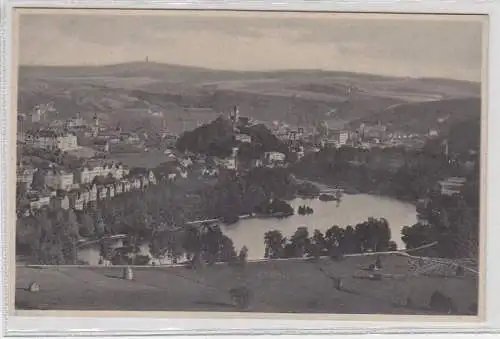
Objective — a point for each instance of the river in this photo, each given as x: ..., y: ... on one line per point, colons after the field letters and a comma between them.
x: 351, y: 210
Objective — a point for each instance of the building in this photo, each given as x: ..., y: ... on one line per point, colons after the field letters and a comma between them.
x: 339, y: 138
x: 25, y: 175
x: 51, y: 140
x: 451, y: 186
x: 37, y: 200
x: 146, y: 177
x: 433, y: 133
x: 126, y: 185
x: 61, y: 201
x: 102, y: 192
x: 135, y: 183
x: 58, y: 179
x: 118, y: 187
x: 93, y: 169
x: 244, y: 138
x: 102, y: 145
x: 228, y: 163
x: 129, y: 138
x: 295, y: 135
x: 76, y: 122
x: 111, y: 191
x: 378, y: 131
x: 274, y: 159
x: 209, y: 172
x: 79, y: 198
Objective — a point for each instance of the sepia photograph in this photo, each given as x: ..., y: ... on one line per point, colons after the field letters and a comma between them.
x: 239, y: 161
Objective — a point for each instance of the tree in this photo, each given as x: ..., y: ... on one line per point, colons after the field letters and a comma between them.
x: 242, y: 256
x: 333, y: 237
x: 350, y: 242
x: 241, y: 296
x: 274, y: 241
x: 87, y: 227
x: 227, y: 252
x: 300, y: 241
x: 191, y: 241
x: 393, y: 246
x: 166, y: 244
x: 71, y: 233
x: 51, y: 245
x: 28, y: 237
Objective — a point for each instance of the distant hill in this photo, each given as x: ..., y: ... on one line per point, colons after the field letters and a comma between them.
x: 419, y: 117
x: 188, y: 95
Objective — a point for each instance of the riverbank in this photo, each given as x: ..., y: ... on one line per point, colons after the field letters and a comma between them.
x: 309, y: 288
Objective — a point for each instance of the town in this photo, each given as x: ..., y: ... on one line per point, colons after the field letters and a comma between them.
x: 90, y: 175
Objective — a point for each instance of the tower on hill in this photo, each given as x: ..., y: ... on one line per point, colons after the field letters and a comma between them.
x: 95, y: 127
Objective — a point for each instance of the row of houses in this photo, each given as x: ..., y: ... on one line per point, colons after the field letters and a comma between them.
x: 62, y: 179
x: 79, y: 198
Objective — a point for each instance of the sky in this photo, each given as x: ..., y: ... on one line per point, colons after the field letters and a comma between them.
x: 448, y: 47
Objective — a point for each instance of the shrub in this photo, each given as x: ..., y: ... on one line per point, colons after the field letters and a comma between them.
x: 240, y: 296
x: 442, y: 303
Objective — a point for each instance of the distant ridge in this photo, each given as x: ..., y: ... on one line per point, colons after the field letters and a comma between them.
x: 135, y: 66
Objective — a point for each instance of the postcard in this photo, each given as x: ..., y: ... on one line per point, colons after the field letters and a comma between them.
x: 249, y: 162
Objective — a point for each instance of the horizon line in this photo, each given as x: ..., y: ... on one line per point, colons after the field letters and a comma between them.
x: 276, y: 70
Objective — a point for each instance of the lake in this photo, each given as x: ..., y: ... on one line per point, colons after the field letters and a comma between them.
x: 352, y: 210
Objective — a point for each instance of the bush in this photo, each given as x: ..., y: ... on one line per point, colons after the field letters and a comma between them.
x: 240, y: 296
x: 441, y: 303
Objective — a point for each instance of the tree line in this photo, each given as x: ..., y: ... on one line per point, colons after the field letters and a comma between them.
x: 372, y: 235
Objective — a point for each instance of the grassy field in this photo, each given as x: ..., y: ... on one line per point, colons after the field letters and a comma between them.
x: 276, y: 286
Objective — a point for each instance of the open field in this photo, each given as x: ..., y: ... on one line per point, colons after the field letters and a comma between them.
x: 309, y: 288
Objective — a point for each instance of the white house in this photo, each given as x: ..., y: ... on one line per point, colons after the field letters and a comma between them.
x: 452, y: 185
x: 243, y: 138
x: 87, y: 173
x: 39, y: 200
x: 51, y: 140
x: 273, y: 159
